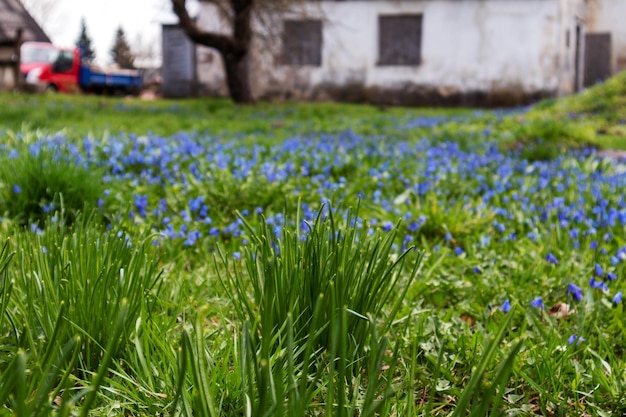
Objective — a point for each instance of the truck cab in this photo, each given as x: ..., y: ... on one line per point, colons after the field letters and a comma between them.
x: 46, y: 67
x: 63, y: 73
x: 35, y: 58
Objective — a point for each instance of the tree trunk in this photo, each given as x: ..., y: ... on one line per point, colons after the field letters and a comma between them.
x: 233, y: 49
x: 237, y: 77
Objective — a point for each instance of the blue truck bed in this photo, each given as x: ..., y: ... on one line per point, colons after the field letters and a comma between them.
x: 112, y: 80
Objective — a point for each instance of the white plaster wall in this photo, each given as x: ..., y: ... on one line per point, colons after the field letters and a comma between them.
x: 610, y: 16
x: 572, y: 13
x: 467, y: 46
x: 211, y: 76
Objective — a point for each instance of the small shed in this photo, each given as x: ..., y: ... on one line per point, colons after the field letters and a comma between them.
x: 179, y: 63
x: 16, y: 26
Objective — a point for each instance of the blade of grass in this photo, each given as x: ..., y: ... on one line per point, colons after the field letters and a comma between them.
x: 473, y: 386
x: 92, y: 391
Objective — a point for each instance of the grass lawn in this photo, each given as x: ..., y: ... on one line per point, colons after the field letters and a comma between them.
x: 196, y: 258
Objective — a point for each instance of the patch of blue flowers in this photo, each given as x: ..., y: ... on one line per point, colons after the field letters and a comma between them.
x: 187, y: 188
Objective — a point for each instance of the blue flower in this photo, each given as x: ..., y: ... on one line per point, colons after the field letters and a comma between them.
x: 617, y: 298
x: 196, y: 203
x: 47, y: 208
x: 406, y: 241
x: 611, y: 276
x: 141, y: 204
x: 551, y: 259
x: 413, y: 226
x: 598, y: 270
x: 458, y: 251
x: 575, y: 291
x: 506, y: 306
x: 387, y: 226
x: 192, y: 238
x: 598, y: 284
x: 537, y: 302
x: 17, y: 189
x: 237, y: 255
x: 572, y: 339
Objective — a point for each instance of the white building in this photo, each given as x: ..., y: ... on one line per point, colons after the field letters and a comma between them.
x: 469, y: 52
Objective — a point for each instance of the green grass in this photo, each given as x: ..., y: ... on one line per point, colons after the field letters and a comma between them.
x: 83, y: 115
x: 599, y: 111
x: 338, y: 315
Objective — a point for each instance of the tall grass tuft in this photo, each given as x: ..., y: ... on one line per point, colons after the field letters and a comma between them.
x: 40, y: 178
x: 76, y: 293
x: 72, y: 281
x: 313, y: 305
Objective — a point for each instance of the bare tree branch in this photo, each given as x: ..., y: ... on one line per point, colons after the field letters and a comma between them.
x: 242, y: 29
x: 223, y: 43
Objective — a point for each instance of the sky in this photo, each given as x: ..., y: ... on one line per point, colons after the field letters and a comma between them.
x: 140, y: 19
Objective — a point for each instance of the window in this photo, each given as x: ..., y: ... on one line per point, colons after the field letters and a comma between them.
x: 64, y: 62
x: 302, y: 43
x: 33, y: 53
x: 400, y: 40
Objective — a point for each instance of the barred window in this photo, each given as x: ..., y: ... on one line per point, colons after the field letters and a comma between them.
x: 400, y: 40
x: 302, y: 43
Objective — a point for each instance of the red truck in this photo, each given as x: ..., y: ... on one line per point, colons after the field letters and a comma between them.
x: 45, y: 66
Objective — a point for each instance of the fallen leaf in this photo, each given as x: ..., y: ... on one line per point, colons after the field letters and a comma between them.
x: 560, y: 310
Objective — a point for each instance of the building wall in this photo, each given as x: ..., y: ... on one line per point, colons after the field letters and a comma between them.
x: 571, y: 56
x: 7, y: 78
x: 473, y: 52
x: 610, y: 16
x: 210, y: 75
x: 9, y: 65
